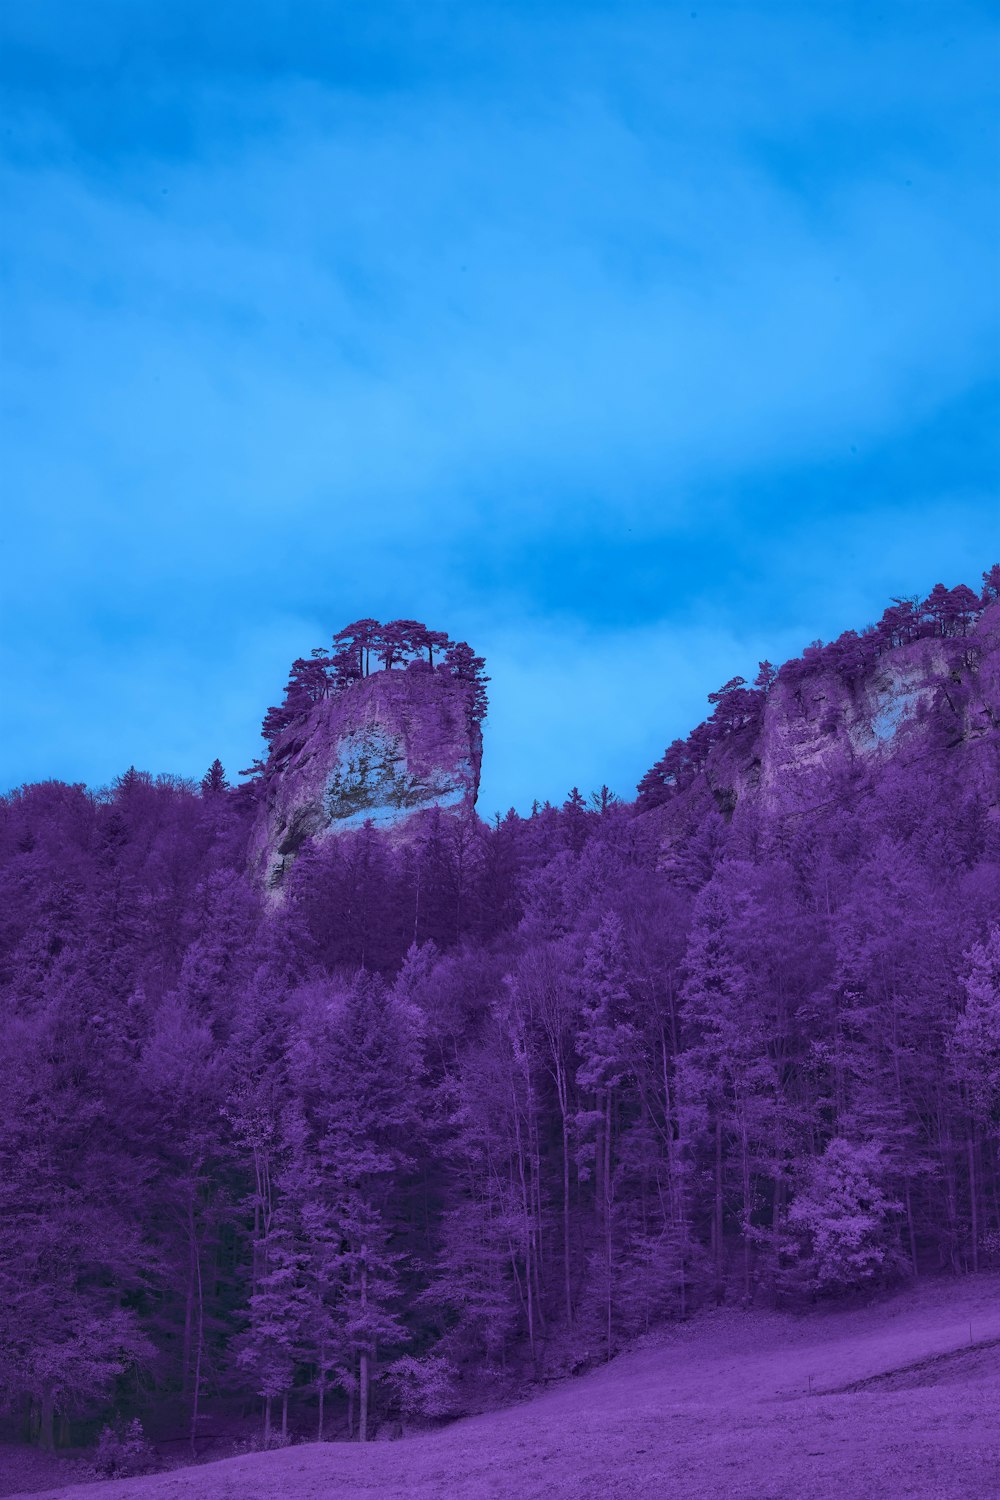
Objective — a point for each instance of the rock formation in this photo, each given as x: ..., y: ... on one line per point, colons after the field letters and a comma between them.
x: 386, y: 749
x: 822, y: 735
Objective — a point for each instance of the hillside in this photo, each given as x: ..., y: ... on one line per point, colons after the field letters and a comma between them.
x: 476, y: 1105
x: 896, y: 1400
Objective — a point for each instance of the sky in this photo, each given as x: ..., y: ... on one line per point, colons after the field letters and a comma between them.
x: 631, y: 342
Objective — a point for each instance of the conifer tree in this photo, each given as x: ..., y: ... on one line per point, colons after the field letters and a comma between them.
x: 214, y: 779
x: 606, y: 1044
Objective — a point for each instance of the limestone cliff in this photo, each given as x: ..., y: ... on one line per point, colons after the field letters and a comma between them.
x: 389, y: 747
x: 931, y: 695
x: 822, y: 735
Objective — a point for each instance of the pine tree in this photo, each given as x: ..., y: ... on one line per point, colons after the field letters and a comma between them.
x: 214, y: 779
x: 268, y: 1349
x: 606, y: 1041
x: 357, y: 1071
x: 725, y: 1074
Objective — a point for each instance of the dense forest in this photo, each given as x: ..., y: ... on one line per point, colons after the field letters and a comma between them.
x: 480, y: 1104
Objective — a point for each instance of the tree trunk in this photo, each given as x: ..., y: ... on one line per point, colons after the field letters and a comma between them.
x: 363, y: 1399
x: 364, y: 1376
x: 565, y: 1216
x: 188, y: 1326
x: 607, y: 1211
x: 717, y: 1212
x: 267, y: 1421
x: 46, y: 1431
x: 745, y: 1175
x: 200, y: 1336
x: 536, y: 1215
x: 284, y: 1417
x: 676, y: 1211
x: 974, y: 1200
x: 527, y: 1231
x: 602, y: 1125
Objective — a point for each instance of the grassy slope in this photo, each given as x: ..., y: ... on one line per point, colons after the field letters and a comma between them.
x: 721, y: 1406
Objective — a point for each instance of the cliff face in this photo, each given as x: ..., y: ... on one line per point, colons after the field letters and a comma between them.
x: 932, y: 695
x: 389, y: 747
x: 936, y: 701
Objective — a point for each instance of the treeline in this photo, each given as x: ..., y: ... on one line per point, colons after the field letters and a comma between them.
x: 480, y: 1106
x: 366, y: 646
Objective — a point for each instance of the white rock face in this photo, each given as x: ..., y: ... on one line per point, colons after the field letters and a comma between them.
x: 386, y: 749
x: 935, y: 701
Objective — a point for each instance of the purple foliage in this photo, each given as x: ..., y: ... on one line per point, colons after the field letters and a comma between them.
x: 491, y: 1099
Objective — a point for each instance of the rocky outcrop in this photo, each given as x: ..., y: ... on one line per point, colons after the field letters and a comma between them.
x: 932, y: 694
x: 936, y: 700
x: 384, y: 750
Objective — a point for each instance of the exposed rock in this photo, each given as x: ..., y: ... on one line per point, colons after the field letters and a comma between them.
x: 384, y: 750
x: 932, y: 700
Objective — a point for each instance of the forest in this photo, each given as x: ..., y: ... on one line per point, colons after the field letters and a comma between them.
x: 478, y: 1106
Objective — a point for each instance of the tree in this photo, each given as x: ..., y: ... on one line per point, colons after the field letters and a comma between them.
x: 464, y: 664
x: 975, y: 1055
x: 357, y: 1070
x: 950, y: 610
x: 130, y: 783
x: 298, y: 1150
x: 766, y: 677
x: 577, y: 819
x: 268, y: 1349
x: 606, y: 1042
x: 182, y: 1076
x: 402, y: 638
x: 725, y: 1073
x: 728, y: 687
x: 662, y: 779
x: 355, y: 644
x: 434, y: 640
x: 395, y: 640
x: 849, y: 655
x: 845, y: 1216
x: 214, y: 780
x: 963, y: 605
x: 976, y: 1036
x: 70, y: 1252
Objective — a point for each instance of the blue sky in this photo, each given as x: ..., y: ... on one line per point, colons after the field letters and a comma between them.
x: 630, y: 342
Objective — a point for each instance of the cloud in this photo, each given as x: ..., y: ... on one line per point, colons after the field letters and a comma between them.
x: 567, y: 317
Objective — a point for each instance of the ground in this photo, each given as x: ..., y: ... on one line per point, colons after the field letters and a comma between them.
x: 899, y: 1399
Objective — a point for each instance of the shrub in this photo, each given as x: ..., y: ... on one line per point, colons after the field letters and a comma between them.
x: 844, y: 1216
x: 423, y: 1387
x: 123, y: 1450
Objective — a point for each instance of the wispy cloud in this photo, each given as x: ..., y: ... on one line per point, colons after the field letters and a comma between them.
x: 482, y: 316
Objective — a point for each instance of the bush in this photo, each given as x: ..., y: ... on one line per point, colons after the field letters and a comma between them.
x: 124, y: 1450
x: 423, y: 1387
x: 255, y: 1442
x: 844, y: 1215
